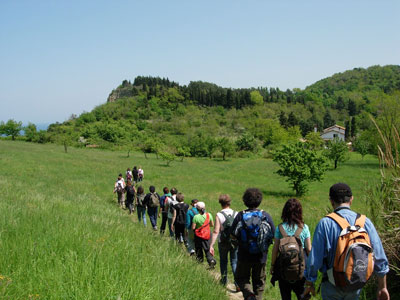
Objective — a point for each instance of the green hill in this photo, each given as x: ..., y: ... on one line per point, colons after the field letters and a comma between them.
x: 202, y: 119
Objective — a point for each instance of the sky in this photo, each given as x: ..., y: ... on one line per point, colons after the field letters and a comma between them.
x: 59, y: 58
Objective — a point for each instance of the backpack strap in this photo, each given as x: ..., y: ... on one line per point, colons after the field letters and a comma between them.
x: 205, y: 222
x: 299, y: 230
x: 342, y: 222
x: 360, y: 220
x: 282, y: 230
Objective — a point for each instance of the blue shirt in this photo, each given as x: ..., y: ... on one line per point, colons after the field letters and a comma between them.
x: 189, y: 217
x: 290, y: 231
x: 325, y: 241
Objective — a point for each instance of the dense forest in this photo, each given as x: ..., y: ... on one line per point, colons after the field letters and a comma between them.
x: 203, y: 119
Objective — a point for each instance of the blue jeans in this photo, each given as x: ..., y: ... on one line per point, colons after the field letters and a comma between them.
x: 141, y: 212
x: 152, y: 212
x: 171, y: 233
x: 223, y: 260
x: 330, y: 292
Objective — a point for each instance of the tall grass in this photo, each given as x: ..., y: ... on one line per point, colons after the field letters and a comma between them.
x: 384, y: 203
x: 63, y: 237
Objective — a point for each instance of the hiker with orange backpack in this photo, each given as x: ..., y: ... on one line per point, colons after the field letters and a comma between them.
x: 201, y: 226
x: 346, y: 249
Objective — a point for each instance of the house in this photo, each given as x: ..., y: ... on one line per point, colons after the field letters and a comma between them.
x: 332, y: 132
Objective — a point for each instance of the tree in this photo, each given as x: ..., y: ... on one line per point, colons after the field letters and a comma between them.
x: 314, y: 140
x: 362, y: 146
x: 226, y: 146
x: 352, y: 108
x: 283, y: 120
x: 167, y: 157
x: 337, y: 151
x: 256, y: 98
x: 347, y: 131
x: 183, y: 151
x: 292, y: 119
x: 328, y: 121
x: 353, y: 127
x: 12, y: 128
x: 211, y: 145
x: 30, y: 132
x: 300, y: 165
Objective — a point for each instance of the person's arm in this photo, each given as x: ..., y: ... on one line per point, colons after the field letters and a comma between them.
x: 173, y: 221
x: 193, y: 225
x: 307, y: 244
x: 274, y: 254
x: 382, y: 293
x: 216, y: 231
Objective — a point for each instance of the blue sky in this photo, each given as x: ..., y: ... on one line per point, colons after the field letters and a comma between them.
x: 63, y: 57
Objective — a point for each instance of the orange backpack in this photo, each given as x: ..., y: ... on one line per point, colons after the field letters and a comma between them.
x: 354, y: 257
x: 204, y: 231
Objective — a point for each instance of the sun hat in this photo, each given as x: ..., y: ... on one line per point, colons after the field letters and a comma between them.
x: 200, y: 205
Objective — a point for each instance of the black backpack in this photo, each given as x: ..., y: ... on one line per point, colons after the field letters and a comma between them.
x: 130, y: 191
x: 181, y: 210
x: 225, y: 236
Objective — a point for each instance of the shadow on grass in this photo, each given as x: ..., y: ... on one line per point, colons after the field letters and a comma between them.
x: 278, y: 193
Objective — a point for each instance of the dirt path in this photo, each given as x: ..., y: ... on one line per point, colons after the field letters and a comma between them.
x: 230, y: 287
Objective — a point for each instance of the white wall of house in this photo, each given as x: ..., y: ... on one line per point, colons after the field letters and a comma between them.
x: 330, y: 135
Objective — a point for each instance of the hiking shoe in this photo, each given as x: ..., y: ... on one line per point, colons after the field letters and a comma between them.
x: 212, y: 263
x: 155, y: 228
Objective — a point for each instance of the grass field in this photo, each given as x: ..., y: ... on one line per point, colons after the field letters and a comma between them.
x: 62, y: 235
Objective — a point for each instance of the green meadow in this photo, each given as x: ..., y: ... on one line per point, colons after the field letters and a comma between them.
x: 62, y: 236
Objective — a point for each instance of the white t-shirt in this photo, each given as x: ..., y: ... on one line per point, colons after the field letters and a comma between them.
x: 171, y: 202
x: 121, y: 182
x: 227, y: 211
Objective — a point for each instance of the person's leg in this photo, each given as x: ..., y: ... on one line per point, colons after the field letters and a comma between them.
x: 298, y: 287
x: 144, y: 216
x: 171, y: 233
x: 223, y: 262
x: 198, y: 248
x: 139, y: 213
x: 164, y: 218
x: 242, y: 278
x: 210, y: 259
x: 258, y: 279
x: 233, y: 252
x: 330, y: 292
x: 190, y: 240
x: 285, y: 289
x: 151, y: 211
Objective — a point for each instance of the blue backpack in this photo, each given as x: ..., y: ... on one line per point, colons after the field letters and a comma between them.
x: 254, y: 232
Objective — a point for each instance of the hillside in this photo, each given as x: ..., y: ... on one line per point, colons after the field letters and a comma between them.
x: 202, y: 119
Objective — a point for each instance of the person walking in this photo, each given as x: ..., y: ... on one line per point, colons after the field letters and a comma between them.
x: 152, y: 201
x: 140, y: 174
x: 324, y: 255
x: 119, y: 188
x: 253, y: 230
x: 201, y: 226
x: 179, y: 218
x: 170, y: 207
x: 140, y: 205
x: 293, y: 226
x: 135, y: 175
x: 222, y: 229
x: 164, y: 209
x: 189, y: 231
x: 130, y: 196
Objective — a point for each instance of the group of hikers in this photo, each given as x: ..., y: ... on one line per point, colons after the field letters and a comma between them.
x: 345, y: 248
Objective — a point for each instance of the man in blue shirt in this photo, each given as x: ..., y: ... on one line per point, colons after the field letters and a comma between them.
x: 324, y: 248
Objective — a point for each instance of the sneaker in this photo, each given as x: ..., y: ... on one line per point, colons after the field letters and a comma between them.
x: 212, y: 263
x: 155, y: 228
